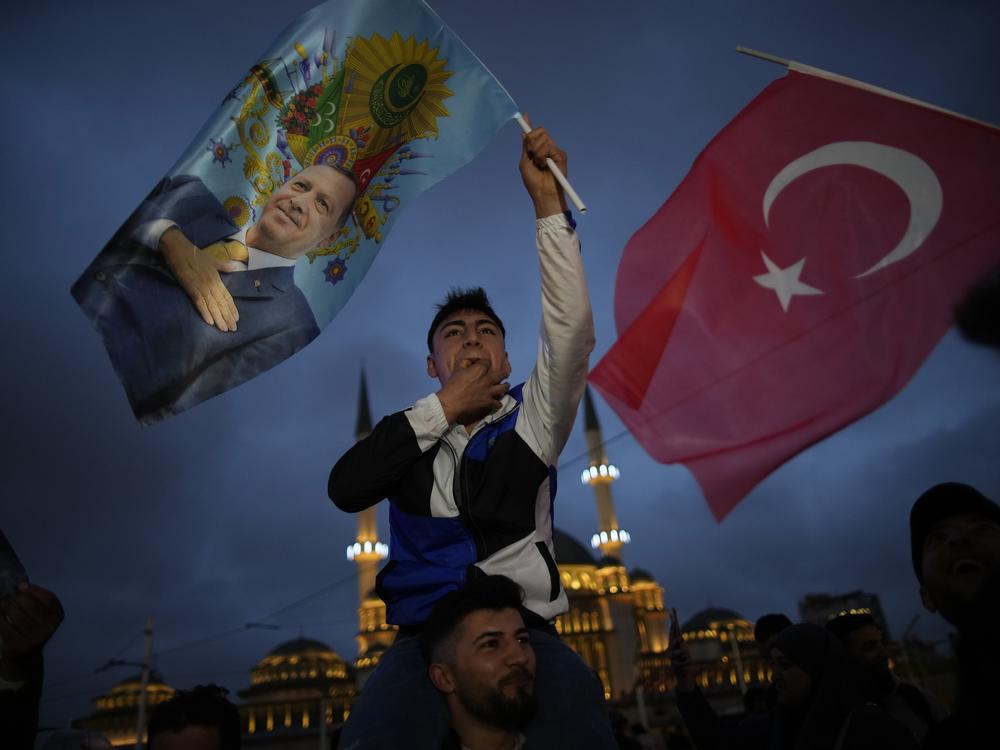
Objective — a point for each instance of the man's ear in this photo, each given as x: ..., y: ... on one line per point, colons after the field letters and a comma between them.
x: 925, y: 597
x: 441, y: 677
x: 431, y: 367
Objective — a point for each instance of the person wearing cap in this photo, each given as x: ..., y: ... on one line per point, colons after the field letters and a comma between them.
x: 955, y: 546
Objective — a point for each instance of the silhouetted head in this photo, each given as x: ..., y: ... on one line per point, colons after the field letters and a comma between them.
x: 197, y: 719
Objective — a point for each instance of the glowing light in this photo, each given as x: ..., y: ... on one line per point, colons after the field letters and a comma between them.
x: 377, y: 549
x: 619, y: 536
x: 600, y: 473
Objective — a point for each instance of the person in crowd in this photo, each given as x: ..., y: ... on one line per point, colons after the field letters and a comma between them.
x: 198, y: 719
x: 955, y: 546
x: 821, y: 698
x: 480, y: 659
x: 862, y: 640
x: 766, y: 629
x: 29, y: 616
x: 469, y: 472
x: 821, y: 703
x: 702, y: 723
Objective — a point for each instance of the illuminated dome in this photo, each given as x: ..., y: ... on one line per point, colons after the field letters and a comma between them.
x: 125, y: 694
x: 711, y: 618
x: 301, y: 662
x: 569, y: 551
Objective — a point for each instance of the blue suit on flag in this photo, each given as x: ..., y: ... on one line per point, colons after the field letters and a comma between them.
x: 166, y: 356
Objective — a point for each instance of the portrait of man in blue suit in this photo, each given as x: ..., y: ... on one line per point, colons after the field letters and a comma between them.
x: 190, y: 306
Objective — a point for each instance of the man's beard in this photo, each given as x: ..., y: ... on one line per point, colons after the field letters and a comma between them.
x: 490, y: 706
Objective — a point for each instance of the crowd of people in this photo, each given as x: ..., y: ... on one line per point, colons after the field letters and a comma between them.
x: 834, y: 687
x: 473, y: 586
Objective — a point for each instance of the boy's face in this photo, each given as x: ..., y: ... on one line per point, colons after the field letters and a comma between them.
x: 463, y: 338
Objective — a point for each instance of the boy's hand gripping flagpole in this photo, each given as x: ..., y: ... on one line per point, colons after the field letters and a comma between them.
x: 556, y: 172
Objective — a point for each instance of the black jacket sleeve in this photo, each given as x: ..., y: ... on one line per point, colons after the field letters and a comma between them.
x: 372, y: 469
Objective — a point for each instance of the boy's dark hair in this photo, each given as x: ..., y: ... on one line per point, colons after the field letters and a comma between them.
x: 846, y: 623
x: 768, y: 626
x: 486, y: 592
x: 202, y: 706
x: 473, y: 298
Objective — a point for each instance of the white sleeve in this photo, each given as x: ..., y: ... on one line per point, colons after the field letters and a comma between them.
x: 555, y: 386
x: 427, y: 419
x: 148, y: 233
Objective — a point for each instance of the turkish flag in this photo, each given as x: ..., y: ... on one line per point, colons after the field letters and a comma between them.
x: 805, y: 267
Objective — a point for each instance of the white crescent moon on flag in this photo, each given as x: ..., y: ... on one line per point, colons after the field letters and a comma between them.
x: 911, y: 173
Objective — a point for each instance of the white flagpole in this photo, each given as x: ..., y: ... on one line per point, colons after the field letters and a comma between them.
x: 819, y: 73
x: 556, y: 172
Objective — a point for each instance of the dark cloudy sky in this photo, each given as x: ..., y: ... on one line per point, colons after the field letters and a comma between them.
x: 219, y: 517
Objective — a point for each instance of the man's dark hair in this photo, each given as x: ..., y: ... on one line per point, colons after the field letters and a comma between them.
x: 768, y: 626
x: 487, y: 592
x: 846, y: 623
x: 473, y: 298
x: 202, y: 706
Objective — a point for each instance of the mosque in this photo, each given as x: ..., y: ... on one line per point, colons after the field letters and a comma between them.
x: 618, y: 623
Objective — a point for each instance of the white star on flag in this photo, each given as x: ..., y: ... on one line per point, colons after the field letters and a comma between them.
x: 784, y: 281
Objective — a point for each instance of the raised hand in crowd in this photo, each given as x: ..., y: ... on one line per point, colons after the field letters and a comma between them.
x: 28, y: 618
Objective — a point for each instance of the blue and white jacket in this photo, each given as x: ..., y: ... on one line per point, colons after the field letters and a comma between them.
x: 461, y: 503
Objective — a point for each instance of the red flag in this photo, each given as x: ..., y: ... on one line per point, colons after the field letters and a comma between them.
x: 797, y: 278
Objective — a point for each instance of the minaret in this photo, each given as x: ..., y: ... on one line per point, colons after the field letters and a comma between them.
x: 367, y: 550
x: 374, y: 634
x: 599, y: 475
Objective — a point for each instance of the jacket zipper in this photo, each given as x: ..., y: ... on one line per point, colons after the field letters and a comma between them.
x: 465, y: 508
x: 464, y: 511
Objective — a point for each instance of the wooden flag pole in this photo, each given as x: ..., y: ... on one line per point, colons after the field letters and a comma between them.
x: 820, y: 73
x: 556, y: 172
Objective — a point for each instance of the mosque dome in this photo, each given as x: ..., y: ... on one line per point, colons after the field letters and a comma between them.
x: 300, y: 662
x: 640, y: 575
x: 569, y: 551
x: 710, y: 618
x: 125, y: 694
x: 609, y: 561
